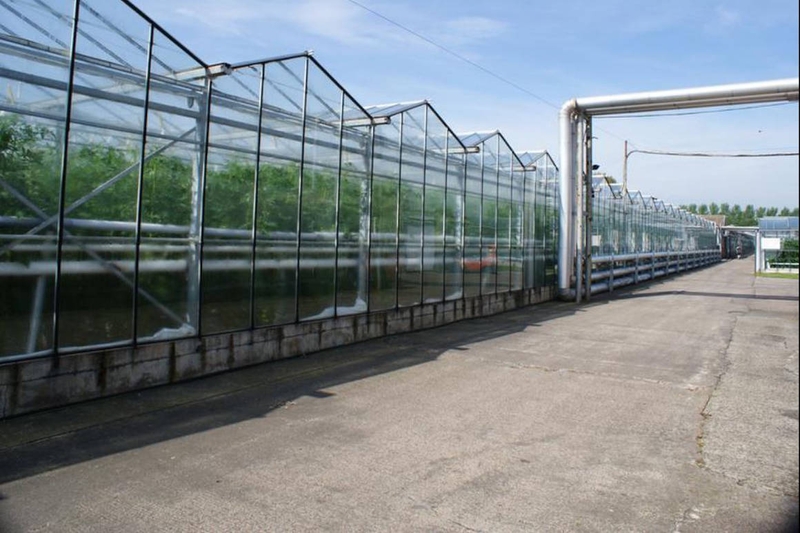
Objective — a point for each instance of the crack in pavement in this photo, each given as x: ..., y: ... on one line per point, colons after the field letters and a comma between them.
x: 704, y: 412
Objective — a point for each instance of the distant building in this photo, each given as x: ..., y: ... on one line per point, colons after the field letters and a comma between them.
x: 777, y: 244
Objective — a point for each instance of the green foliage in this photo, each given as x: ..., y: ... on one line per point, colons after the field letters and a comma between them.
x: 30, y: 163
x: 736, y: 216
x: 789, y: 253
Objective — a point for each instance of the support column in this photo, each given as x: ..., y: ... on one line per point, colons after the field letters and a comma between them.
x: 566, y: 223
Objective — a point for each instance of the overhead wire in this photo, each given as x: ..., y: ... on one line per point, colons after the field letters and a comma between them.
x: 715, y: 154
x: 475, y: 64
x: 455, y: 54
x: 517, y: 86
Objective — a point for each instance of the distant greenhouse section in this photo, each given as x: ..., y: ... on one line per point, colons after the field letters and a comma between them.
x: 628, y: 222
x: 635, y: 237
x: 147, y: 196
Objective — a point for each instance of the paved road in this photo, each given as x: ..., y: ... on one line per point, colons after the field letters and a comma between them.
x: 671, y: 407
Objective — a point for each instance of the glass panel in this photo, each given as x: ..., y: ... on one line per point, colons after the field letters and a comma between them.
x: 168, y: 251
x: 320, y: 190
x: 472, y: 263
x: 517, y: 229
x: 489, y: 217
x: 279, y: 173
x: 433, y: 226
x: 97, y: 269
x: 383, y: 251
x: 504, y: 219
x: 354, y: 217
x: 31, y: 141
x: 411, y: 217
x: 550, y: 226
x: 227, y: 245
x: 453, y: 258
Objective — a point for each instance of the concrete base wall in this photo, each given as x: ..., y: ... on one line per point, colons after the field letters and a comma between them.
x: 37, y: 384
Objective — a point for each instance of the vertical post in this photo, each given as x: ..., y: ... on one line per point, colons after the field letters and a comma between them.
x: 759, y: 253
x: 566, y: 251
x: 444, y: 216
x: 625, y: 169
x: 365, y: 225
x: 140, y: 188
x: 480, y: 226
x: 496, y: 265
x: 589, y: 205
x: 424, y: 203
x: 301, y: 174
x: 197, y: 225
x: 462, y: 206
x: 524, y: 231
x: 512, y: 222
x: 397, y: 212
x: 338, y: 200
x: 62, y: 191
x: 578, y: 237
x: 256, y: 188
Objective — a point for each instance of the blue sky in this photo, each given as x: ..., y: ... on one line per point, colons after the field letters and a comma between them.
x: 555, y: 51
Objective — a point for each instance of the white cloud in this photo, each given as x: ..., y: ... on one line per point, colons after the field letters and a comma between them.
x: 338, y: 20
x: 722, y: 20
x: 471, y: 29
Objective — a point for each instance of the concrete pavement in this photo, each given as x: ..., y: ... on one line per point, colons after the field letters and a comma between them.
x: 669, y: 407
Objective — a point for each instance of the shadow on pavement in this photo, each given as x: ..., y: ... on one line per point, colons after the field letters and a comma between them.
x: 120, y: 423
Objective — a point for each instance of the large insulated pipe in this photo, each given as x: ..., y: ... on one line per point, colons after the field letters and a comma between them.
x: 566, y: 221
x: 717, y: 95
x: 573, y: 110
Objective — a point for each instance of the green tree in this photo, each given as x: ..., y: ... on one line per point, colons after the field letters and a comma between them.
x: 749, y: 216
x: 735, y: 215
x: 703, y: 209
x: 713, y: 209
x: 789, y: 252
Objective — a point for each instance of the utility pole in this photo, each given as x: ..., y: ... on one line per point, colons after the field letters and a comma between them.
x: 625, y: 169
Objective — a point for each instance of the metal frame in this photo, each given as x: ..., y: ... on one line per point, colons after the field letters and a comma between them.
x: 209, y: 127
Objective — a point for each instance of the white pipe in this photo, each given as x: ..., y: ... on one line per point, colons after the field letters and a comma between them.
x: 719, y: 95
x: 566, y: 223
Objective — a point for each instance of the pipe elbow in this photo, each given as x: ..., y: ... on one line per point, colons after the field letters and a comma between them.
x: 569, y: 108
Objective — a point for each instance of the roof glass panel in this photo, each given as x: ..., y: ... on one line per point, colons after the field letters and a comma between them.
x: 474, y: 139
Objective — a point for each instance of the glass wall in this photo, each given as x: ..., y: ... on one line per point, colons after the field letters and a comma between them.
x: 633, y: 223
x: 146, y: 195
x: 541, y: 219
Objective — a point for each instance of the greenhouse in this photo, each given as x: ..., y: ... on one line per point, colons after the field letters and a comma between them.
x: 147, y: 196
x: 630, y: 222
x: 636, y: 237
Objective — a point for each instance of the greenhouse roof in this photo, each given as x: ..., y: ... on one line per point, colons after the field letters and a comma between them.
x: 531, y: 157
x: 476, y: 138
x: 778, y: 223
x: 389, y: 110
